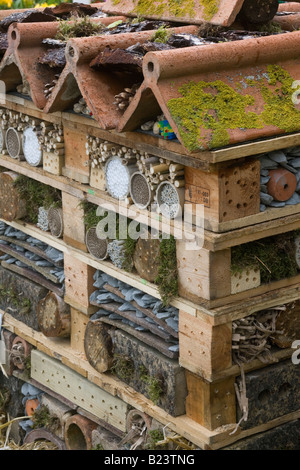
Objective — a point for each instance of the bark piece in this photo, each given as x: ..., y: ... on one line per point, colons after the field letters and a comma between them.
x: 146, y: 258
x: 118, y: 60
x: 53, y: 57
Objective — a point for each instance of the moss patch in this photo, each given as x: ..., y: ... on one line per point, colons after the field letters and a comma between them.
x: 210, y: 8
x: 206, y: 111
x: 42, y: 418
x: 154, y: 385
x: 80, y: 27
x: 167, y: 279
x: 275, y: 257
x: 123, y: 367
x: 36, y: 195
x: 211, y: 108
x: 177, y: 8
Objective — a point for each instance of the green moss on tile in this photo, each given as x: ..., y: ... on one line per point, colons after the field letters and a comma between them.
x: 206, y: 111
x: 279, y: 108
x: 210, y: 8
x: 177, y: 8
x: 210, y: 109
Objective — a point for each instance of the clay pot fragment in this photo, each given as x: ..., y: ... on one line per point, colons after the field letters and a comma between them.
x: 282, y: 184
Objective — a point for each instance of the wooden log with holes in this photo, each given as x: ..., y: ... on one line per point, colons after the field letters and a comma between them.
x: 73, y: 217
x: 56, y: 221
x: 229, y: 193
x: 12, y: 206
x: 54, y: 316
x: 146, y: 258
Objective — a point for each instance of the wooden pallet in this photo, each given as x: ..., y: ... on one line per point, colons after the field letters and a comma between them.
x: 210, y: 300
x: 223, y: 212
x: 183, y: 425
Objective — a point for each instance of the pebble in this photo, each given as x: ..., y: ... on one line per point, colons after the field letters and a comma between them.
x: 264, y: 179
x: 277, y: 156
x: 277, y: 204
x: 267, y: 163
x: 295, y: 199
x: 266, y: 198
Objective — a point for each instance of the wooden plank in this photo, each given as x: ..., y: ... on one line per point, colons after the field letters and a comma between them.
x: 74, y: 387
x: 75, y: 154
x: 204, y: 349
x: 78, y: 280
x: 74, y: 227
x: 202, y: 274
x: 211, y: 405
x: 171, y: 150
x: 78, y: 325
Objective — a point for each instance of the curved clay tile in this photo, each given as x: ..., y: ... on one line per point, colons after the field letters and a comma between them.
x: 98, y: 88
x: 224, y: 93
x: 289, y: 6
x: 20, y: 61
x: 289, y: 22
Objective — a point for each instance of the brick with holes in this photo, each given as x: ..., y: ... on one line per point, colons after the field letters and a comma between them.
x: 227, y: 194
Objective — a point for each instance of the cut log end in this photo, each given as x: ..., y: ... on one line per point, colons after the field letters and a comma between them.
x: 54, y: 316
x: 55, y: 221
x: 98, y: 345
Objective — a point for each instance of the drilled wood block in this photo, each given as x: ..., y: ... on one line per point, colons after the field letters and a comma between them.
x: 210, y: 404
x: 77, y: 389
x: 147, y: 367
x: 75, y: 166
x: 53, y: 163
x: 202, y: 274
x: 204, y: 349
x: 78, y: 325
x: 74, y: 227
x: 227, y: 194
x: 245, y: 279
x: 272, y: 392
x: 78, y: 283
x: 97, y: 178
